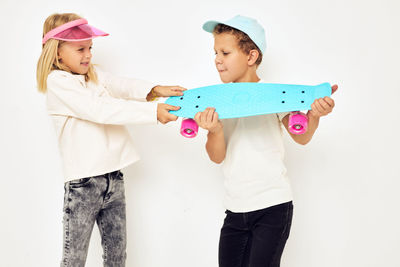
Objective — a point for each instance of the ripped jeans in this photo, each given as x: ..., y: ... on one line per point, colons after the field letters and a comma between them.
x: 98, y: 199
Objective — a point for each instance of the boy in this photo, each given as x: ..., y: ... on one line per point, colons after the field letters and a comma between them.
x: 257, y: 192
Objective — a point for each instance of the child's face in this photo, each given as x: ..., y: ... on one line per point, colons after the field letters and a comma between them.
x: 76, y: 55
x: 231, y: 62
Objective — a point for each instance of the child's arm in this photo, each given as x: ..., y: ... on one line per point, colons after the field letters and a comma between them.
x: 164, y: 91
x: 135, y: 89
x: 321, y: 107
x: 215, y: 146
x: 66, y: 96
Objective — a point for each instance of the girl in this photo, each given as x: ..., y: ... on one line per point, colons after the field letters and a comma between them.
x: 89, y: 109
x: 258, y: 196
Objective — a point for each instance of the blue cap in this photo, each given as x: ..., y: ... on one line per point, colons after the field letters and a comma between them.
x: 245, y: 24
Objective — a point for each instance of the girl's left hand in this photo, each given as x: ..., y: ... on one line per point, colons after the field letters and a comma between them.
x: 163, y: 91
x: 323, y: 106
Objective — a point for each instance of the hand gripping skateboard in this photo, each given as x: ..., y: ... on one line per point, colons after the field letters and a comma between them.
x: 234, y: 100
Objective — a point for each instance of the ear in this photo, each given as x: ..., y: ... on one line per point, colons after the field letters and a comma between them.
x: 253, y: 56
x: 58, y: 56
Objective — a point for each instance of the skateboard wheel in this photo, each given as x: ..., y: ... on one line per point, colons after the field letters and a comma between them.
x: 189, y: 128
x: 298, y: 123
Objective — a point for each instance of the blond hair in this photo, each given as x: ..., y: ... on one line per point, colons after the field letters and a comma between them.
x: 244, y: 41
x: 48, y: 60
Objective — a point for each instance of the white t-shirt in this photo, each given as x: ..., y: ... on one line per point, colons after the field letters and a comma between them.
x: 255, y: 175
x: 89, y: 120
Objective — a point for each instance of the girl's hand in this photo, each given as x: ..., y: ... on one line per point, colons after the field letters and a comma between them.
x: 163, y: 115
x: 162, y: 91
x: 323, y: 106
x: 208, y: 119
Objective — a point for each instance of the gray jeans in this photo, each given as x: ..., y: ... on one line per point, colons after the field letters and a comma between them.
x: 98, y: 199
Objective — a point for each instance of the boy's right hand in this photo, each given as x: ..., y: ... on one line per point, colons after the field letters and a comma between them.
x: 163, y: 114
x: 208, y: 119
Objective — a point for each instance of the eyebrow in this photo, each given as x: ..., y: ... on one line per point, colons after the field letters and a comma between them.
x: 81, y: 45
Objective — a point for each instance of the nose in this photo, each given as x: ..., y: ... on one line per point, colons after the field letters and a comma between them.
x: 218, y: 59
x: 88, y: 54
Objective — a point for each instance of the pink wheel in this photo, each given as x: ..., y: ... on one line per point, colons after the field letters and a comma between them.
x: 189, y: 128
x: 298, y: 123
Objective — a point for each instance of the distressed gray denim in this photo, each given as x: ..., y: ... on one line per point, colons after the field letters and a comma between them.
x: 98, y: 199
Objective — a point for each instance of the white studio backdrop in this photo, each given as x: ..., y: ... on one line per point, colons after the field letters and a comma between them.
x: 345, y: 182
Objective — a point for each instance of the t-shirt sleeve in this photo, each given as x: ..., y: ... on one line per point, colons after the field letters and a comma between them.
x: 282, y: 115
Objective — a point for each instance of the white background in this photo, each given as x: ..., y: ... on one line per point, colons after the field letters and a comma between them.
x: 345, y: 182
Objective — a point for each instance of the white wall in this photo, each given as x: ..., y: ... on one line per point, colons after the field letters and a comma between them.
x: 345, y: 181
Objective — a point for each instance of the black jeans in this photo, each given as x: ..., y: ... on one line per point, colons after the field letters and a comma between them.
x: 256, y: 238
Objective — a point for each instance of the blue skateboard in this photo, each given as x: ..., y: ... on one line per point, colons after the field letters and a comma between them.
x: 234, y: 100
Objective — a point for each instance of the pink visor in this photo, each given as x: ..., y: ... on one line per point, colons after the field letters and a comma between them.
x: 76, y: 30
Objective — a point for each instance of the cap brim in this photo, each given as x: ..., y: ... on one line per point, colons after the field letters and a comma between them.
x: 80, y: 33
x: 209, y: 26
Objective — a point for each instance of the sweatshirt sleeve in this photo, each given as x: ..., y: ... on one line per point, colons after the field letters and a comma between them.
x: 125, y: 88
x: 68, y: 96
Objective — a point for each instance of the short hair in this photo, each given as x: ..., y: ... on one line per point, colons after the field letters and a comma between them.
x: 48, y: 60
x: 244, y: 41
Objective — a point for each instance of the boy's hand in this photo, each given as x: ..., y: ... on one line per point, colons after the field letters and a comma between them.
x: 208, y: 119
x: 323, y: 106
x: 162, y: 91
x: 163, y: 115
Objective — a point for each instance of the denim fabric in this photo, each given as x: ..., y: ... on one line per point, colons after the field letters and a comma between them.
x: 255, y: 239
x: 98, y: 199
